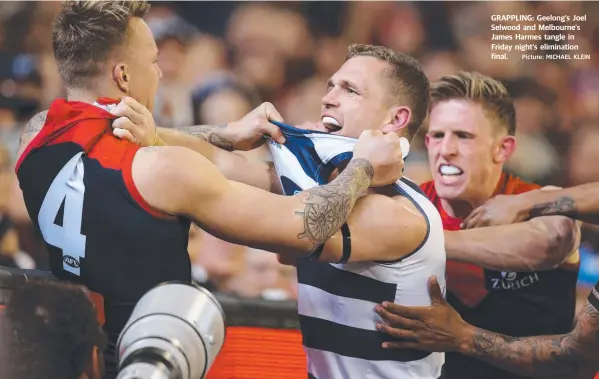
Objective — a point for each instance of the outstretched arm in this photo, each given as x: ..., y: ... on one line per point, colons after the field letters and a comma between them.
x: 542, y: 243
x: 136, y: 124
x: 580, y: 202
x: 180, y: 182
x: 188, y: 136
x: 573, y: 355
x: 439, y: 327
x: 232, y: 165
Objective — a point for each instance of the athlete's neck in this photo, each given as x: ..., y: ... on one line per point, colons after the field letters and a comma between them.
x: 89, y: 96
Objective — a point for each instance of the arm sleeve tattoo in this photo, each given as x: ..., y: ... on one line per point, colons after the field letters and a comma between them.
x: 328, y: 206
x: 210, y: 134
x: 573, y: 355
x: 33, y: 127
x: 564, y: 206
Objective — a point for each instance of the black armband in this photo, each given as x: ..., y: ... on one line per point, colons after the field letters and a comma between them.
x: 345, y: 234
x: 594, y: 297
x: 316, y: 254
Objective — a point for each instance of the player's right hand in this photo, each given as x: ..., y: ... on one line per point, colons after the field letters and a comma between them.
x: 249, y: 132
x: 383, y: 151
x: 135, y: 123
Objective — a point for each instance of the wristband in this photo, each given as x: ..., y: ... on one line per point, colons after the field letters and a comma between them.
x: 346, y: 235
x: 316, y: 254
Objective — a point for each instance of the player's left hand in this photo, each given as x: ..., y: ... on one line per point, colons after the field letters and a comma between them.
x: 249, y: 132
x: 135, y: 123
x: 437, y: 327
x: 499, y: 210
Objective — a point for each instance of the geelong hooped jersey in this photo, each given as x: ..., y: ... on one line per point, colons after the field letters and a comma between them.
x: 336, y: 301
x: 99, y: 232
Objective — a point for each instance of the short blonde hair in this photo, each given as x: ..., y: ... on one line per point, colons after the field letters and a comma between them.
x: 481, y: 89
x: 86, y: 32
x: 405, y: 78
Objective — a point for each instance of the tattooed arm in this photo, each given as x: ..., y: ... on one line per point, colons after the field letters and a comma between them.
x: 187, y: 136
x: 233, y: 165
x: 31, y: 130
x: 573, y: 355
x: 580, y: 202
x: 439, y: 327
x: 180, y: 182
x: 245, y: 134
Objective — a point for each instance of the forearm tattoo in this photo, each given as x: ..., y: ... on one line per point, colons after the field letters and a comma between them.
x: 562, y: 206
x: 563, y: 356
x: 33, y: 127
x: 210, y: 134
x: 328, y: 206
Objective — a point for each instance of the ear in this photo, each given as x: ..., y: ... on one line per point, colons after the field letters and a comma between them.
x: 427, y: 139
x: 121, y: 76
x: 399, y: 118
x: 504, y: 149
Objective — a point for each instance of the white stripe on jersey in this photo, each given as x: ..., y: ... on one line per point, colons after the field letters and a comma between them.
x: 347, y: 311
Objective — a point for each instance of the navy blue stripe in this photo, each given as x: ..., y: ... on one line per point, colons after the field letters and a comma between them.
x: 340, y: 158
x: 289, y: 130
x: 344, y: 283
x: 352, y: 342
x: 310, y: 376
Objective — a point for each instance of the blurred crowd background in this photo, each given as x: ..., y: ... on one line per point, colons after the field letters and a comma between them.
x: 222, y: 59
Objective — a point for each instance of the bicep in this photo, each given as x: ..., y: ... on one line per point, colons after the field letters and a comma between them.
x: 245, y: 215
x: 180, y: 182
x: 381, y: 229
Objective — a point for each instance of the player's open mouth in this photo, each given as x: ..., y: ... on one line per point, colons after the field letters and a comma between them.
x: 331, y: 124
x: 450, y: 170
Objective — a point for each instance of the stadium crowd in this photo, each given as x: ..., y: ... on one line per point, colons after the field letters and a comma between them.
x: 221, y: 59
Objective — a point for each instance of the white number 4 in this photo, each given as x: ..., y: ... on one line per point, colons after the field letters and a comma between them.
x: 67, y: 187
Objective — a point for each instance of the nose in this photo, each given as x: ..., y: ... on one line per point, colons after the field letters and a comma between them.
x: 449, y: 146
x: 331, y: 99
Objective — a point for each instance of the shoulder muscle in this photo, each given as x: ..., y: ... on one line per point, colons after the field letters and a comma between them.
x: 32, y: 128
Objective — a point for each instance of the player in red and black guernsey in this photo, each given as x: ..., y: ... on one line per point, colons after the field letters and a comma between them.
x: 518, y: 279
x: 115, y: 216
x: 440, y: 328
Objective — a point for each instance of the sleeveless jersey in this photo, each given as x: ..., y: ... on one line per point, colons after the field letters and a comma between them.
x: 79, y: 192
x: 513, y: 303
x: 336, y: 301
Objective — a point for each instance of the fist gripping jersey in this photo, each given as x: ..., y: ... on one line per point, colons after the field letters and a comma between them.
x: 336, y: 301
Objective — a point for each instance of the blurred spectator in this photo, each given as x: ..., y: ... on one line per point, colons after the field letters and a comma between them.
x: 222, y: 99
x: 220, y: 60
x: 10, y: 252
x: 214, y: 262
x: 263, y: 277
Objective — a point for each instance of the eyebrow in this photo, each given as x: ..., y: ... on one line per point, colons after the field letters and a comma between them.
x: 343, y: 83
